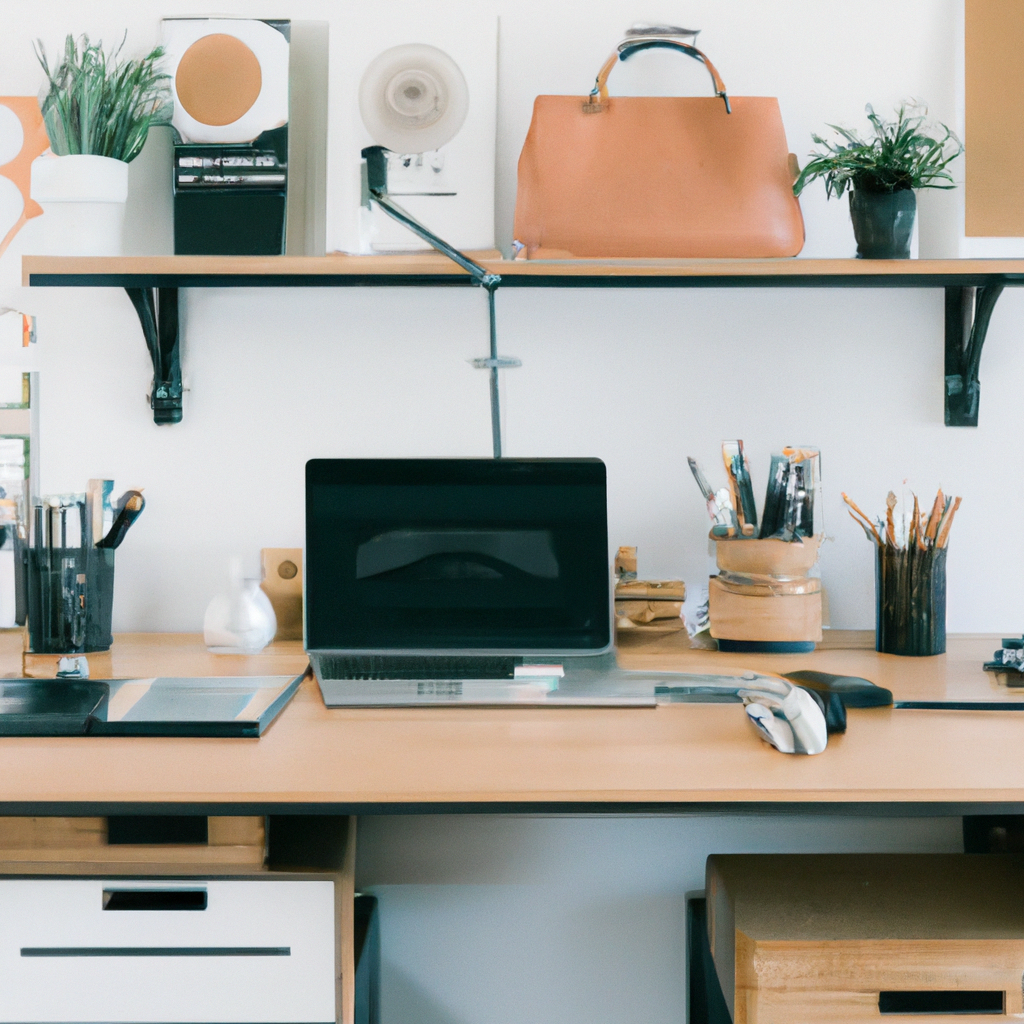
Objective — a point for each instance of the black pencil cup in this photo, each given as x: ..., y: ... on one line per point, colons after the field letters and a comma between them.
x: 910, y: 601
x: 70, y: 593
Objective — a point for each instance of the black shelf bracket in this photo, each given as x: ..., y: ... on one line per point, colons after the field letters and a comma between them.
x: 158, y: 313
x: 968, y: 311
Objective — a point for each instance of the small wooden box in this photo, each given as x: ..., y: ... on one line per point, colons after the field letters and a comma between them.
x: 909, y: 938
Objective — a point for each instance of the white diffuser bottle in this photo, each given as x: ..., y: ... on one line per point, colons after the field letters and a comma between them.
x: 241, y: 620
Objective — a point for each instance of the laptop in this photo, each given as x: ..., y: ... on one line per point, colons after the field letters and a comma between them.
x: 460, y: 581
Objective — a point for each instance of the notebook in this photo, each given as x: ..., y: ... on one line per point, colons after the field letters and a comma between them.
x: 214, y: 706
x: 460, y: 581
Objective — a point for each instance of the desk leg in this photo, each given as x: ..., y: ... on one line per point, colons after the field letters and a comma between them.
x: 345, y: 894
x: 325, y: 843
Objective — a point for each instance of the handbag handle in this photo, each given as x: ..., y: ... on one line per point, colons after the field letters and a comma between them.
x: 599, y: 94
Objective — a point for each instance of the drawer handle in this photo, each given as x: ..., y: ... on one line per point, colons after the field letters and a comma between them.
x: 156, y: 951
x: 939, y: 1002
x: 154, y: 899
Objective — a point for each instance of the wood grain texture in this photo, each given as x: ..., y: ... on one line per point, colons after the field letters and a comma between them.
x: 435, y: 264
x: 45, y: 845
x: 798, y: 982
x: 799, y: 938
x: 345, y: 896
x: 682, y: 753
x: 775, y: 617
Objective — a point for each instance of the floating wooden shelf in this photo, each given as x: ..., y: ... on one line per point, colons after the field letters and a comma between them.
x: 972, y: 288
x: 434, y: 269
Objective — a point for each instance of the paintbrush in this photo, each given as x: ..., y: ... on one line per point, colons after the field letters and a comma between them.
x: 130, y: 505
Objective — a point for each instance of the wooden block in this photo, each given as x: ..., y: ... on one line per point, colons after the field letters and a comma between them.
x: 802, y: 939
x: 767, y: 557
x: 52, y: 833
x: 625, y: 563
x: 49, y: 845
x: 282, y: 583
x: 642, y: 612
x: 238, y: 830
x: 772, y: 618
x: 651, y: 590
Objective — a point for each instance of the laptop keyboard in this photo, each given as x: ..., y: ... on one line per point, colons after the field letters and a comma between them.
x: 398, y: 666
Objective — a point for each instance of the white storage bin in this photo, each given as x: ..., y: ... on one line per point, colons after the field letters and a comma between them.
x: 167, y: 952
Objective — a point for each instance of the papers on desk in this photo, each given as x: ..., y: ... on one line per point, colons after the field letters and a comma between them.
x: 211, y: 706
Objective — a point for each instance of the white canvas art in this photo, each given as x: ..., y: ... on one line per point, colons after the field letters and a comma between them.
x: 422, y: 82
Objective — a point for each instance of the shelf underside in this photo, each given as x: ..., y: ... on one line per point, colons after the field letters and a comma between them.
x: 428, y: 269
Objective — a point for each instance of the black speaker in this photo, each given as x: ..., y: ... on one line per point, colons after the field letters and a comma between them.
x: 230, y: 82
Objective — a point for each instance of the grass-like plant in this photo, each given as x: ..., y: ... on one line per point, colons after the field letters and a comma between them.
x: 100, y: 104
x: 902, y: 154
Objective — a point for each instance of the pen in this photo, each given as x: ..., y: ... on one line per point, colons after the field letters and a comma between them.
x: 714, y: 511
x: 698, y: 475
x: 49, y: 587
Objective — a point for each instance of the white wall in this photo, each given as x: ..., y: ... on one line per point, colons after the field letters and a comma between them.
x: 639, y: 378
x: 490, y: 919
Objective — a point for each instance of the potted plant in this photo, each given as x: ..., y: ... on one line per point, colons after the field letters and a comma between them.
x: 881, y: 174
x: 98, y: 110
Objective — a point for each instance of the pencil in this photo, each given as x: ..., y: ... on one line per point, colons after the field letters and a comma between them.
x: 936, y: 514
x: 947, y: 522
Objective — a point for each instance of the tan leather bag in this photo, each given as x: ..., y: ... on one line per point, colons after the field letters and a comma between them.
x: 657, y: 176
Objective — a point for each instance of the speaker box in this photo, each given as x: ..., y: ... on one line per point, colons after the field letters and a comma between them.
x: 420, y: 80
x: 250, y: 120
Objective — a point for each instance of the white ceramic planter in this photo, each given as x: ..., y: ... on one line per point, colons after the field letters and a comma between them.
x: 83, y: 200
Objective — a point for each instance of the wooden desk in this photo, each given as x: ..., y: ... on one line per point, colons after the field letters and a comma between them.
x: 434, y: 759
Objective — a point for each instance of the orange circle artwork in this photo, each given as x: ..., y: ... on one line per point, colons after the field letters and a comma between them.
x: 218, y: 79
x: 19, y: 170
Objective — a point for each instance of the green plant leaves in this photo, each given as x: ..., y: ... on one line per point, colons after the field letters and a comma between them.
x: 101, y: 105
x: 902, y: 154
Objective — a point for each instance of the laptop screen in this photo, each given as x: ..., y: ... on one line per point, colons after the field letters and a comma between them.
x: 500, y: 555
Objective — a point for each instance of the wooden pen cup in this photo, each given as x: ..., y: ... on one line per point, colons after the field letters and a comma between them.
x: 763, y: 593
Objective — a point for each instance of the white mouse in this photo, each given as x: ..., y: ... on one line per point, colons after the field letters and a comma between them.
x: 775, y: 731
x: 806, y: 731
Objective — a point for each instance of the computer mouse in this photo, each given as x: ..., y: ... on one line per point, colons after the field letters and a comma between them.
x: 775, y: 731
x: 853, y: 691
x: 831, y: 707
x: 796, y: 706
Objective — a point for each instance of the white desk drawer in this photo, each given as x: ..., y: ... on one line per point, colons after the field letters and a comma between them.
x: 134, y: 951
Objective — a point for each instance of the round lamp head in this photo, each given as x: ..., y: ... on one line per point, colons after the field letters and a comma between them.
x: 413, y: 98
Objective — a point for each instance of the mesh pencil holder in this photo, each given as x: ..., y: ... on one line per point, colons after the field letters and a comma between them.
x: 910, y: 600
x: 70, y: 597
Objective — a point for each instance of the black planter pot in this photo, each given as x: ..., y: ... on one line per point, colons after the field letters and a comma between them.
x: 883, y: 223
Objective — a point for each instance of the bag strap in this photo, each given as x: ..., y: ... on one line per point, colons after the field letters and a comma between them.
x: 599, y: 94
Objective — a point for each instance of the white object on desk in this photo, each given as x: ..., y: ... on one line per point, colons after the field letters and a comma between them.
x: 241, y: 620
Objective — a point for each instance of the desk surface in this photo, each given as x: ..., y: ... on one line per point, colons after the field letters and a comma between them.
x: 350, y: 760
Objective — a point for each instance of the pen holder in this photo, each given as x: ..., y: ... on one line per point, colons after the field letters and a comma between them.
x: 70, y: 598
x: 910, y: 600
x: 763, y: 598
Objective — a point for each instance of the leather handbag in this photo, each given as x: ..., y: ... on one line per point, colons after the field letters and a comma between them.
x: 656, y: 176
